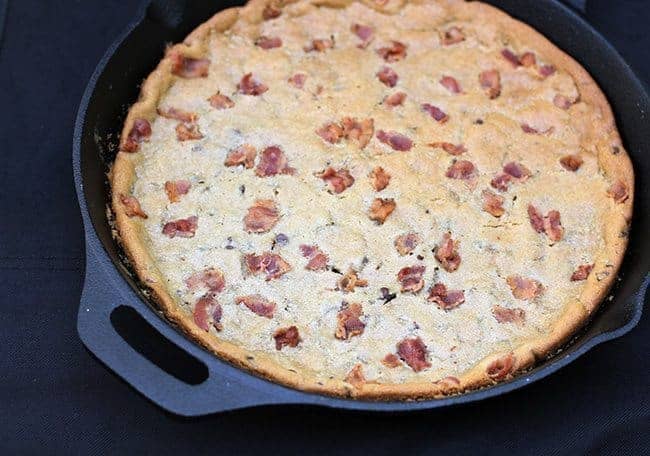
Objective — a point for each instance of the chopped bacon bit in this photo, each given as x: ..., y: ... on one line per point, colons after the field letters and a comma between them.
x: 257, y: 304
x: 178, y: 114
x: 406, y: 243
x: 536, y: 219
x: 523, y: 288
x: 261, y: 216
x: 527, y: 59
x: 391, y: 361
x: 445, y: 299
x: 582, y: 272
x: 207, y: 312
x: 546, y: 70
x: 571, y: 162
x: 531, y: 130
x: 450, y: 84
x: 618, y: 191
x: 380, y: 178
x: 364, y: 33
x: 360, y: 131
x: 395, y: 140
x: 268, y: 42
x: 387, y: 76
x: 250, y: 86
x: 140, y: 130
x: 271, y: 11
x: 490, y: 80
x: 330, y: 132
x: 452, y: 35
x: 553, y: 226
x: 450, y: 148
x: 243, y: 155
x: 501, y: 182
x: 414, y: 353
x: 317, y: 259
x: 501, y: 367
x: 562, y: 101
x: 220, y: 101
x: 186, y: 132
x: 396, y: 99
x: 517, y: 170
x: 511, y: 57
x: 410, y: 278
x: 187, y: 67
x: 286, y: 337
x: 438, y: 114
x: 175, y: 189
x: 271, y: 264
x: 319, y: 45
x: 210, y: 278
x: 348, y: 322
x: 493, y: 203
x: 461, y: 169
x: 132, y: 206
x: 337, y: 181
x: 381, y: 208
x: 185, y: 228
x: 447, y: 253
x: 355, y: 376
x: 298, y: 80
x: 272, y: 162
x: 393, y: 53
x: 349, y: 281
x: 505, y: 315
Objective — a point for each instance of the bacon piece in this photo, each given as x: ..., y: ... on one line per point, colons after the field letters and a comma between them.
x: 562, y: 102
x: 270, y: 264
x: 210, y: 279
x: 380, y: 178
x: 461, y: 169
x: 414, y: 353
x: 208, y: 312
x: 452, y: 35
x: 349, y: 281
x: 582, y: 272
x: 517, y: 170
x: 450, y: 84
x: 286, y: 337
x: 331, y: 132
x: 271, y: 11
x: 396, y: 99
x: 447, y: 253
x: 438, y: 114
x: 355, y: 377
x: 317, y: 259
x: 445, y: 299
x: 546, y: 70
x: 393, y: 53
x: 391, y: 361
x: 618, y: 191
x: 348, y: 321
x: 406, y: 243
x: 298, y: 80
x: 175, y: 189
x: 140, y: 131
x: 553, y: 226
x: 220, y: 101
x: 261, y: 216
x: 523, y: 288
x: 536, y: 219
x: 243, y: 155
x: 531, y: 130
x: 380, y: 209
x: 188, y: 67
x: 248, y: 85
x: 272, y: 162
x: 387, y: 76
x: 395, y: 140
x: 337, y: 181
x: 504, y: 315
x: 365, y: 34
x: 257, y: 304
x: 185, y: 228
x: 410, y: 278
x: 320, y: 45
x: 493, y: 203
x: 360, y: 131
x: 178, y: 114
x: 268, y: 42
x: 510, y: 57
x: 501, y: 367
x: 527, y: 59
x: 501, y: 182
x: 490, y: 81
x: 187, y: 132
x: 132, y: 206
x: 451, y: 149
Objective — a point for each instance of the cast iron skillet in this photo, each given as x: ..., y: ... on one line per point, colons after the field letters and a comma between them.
x: 110, y: 295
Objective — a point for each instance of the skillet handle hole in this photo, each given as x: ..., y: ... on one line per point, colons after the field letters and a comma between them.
x: 146, y: 340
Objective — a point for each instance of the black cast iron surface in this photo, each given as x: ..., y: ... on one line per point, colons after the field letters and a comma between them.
x: 113, y: 86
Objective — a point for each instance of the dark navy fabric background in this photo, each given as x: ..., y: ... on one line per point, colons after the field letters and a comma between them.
x: 55, y: 398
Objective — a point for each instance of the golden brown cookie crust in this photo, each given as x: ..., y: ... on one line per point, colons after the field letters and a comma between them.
x: 613, y: 166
